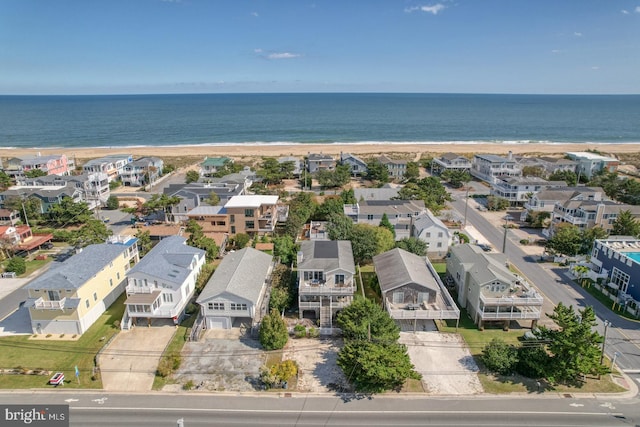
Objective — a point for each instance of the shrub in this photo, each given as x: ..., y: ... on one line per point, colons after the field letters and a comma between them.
x: 188, y: 385
x: 524, y: 241
x: 273, y: 332
x: 499, y: 357
x: 17, y: 264
x: 532, y: 361
x: 300, y: 331
x: 167, y: 365
x: 314, y: 332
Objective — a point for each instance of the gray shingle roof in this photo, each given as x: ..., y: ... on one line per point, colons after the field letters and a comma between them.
x: 483, y: 267
x: 240, y: 273
x: 78, y: 269
x: 398, y: 267
x: 169, y: 260
x: 327, y: 255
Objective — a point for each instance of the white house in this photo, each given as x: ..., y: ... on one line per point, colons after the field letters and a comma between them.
x: 429, y: 228
x: 162, y: 283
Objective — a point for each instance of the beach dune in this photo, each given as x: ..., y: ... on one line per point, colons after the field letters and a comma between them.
x: 265, y: 150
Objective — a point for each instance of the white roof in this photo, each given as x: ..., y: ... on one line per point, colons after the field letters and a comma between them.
x: 251, y: 201
x: 590, y: 156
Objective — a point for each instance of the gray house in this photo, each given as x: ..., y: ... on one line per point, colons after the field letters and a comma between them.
x: 235, y: 294
x: 325, y: 279
x: 318, y: 161
x: 411, y: 288
x: 355, y: 163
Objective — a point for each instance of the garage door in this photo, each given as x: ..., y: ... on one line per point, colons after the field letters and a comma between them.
x: 217, y: 323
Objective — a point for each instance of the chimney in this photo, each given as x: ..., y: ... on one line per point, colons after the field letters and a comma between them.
x: 510, y: 155
x: 299, y: 257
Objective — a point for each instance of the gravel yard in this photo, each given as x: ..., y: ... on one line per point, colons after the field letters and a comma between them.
x: 317, y: 368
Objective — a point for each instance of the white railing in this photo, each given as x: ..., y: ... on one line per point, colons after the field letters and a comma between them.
x: 317, y: 304
x: 132, y: 289
x: 452, y: 313
x: 512, y: 301
x: 326, y: 289
x: 49, y: 305
x: 506, y: 315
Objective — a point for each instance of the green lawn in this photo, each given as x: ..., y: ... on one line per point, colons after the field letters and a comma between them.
x: 174, y: 347
x: 58, y: 356
x: 440, y: 267
x: 607, y: 302
x: 35, y: 265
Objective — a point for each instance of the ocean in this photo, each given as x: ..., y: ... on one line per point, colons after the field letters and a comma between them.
x: 324, y: 118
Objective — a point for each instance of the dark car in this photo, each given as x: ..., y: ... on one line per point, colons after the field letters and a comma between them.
x: 485, y: 247
x: 47, y: 245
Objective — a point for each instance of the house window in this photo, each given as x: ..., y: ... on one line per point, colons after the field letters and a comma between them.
x: 439, y: 245
x: 167, y: 297
x: 428, y: 234
x: 238, y: 307
x: 232, y: 219
x: 210, y: 306
x: 95, y: 296
x: 423, y: 297
x: 249, y: 225
x: 217, y: 305
x: 233, y: 229
x: 118, y: 275
x: 248, y: 213
x: 54, y: 295
x: 398, y: 297
x: 87, y: 303
x: 369, y: 217
x: 339, y: 279
x: 620, y: 278
x: 440, y: 234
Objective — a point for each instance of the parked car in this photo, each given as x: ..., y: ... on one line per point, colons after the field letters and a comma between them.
x: 485, y: 247
x: 47, y: 245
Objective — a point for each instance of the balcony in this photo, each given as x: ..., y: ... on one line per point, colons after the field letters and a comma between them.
x: 514, y: 301
x: 421, y: 311
x: 325, y: 288
x: 527, y: 313
x: 42, y: 304
x: 132, y: 289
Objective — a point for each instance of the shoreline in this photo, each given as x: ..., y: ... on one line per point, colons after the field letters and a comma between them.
x: 302, y: 149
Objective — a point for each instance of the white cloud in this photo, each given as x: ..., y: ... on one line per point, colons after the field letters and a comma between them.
x: 626, y: 12
x: 556, y: 51
x: 433, y: 9
x: 282, y: 55
x: 258, y: 50
x: 577, y: 34
x: 637, y: 9
x: 254, y: 14
x: 595, y: 67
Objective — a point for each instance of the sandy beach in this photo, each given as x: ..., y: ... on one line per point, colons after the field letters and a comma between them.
x: 250, y: 150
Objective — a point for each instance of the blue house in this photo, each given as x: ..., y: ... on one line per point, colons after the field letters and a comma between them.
x: 617, y: 260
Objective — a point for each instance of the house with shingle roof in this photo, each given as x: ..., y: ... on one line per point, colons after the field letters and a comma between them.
x: 431, y: 229
x: 411, y: 289
x: 235, y: 294
x: 70, y: 296
x: 488, y: 290
x: 325, y: 279
x: 450, y: 161
x: 161, y: 285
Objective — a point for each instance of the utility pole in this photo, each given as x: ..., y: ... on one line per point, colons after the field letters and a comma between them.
x: 506, y: 227
x: 466, y: 206
x: 604, y: 340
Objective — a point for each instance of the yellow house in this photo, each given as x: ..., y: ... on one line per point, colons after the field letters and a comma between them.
x: 71, y: 295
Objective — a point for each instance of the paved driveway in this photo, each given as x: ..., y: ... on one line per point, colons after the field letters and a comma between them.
x: 129, y: 362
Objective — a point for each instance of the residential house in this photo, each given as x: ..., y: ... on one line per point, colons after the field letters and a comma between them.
x: 9, y: 217
x: 325, y: 280
x: 616, y: 261
x: 20, y: 238
x: 355, y: 163
x: 397, y: 168
x: 545, y: 200
x: 297, y: 164
x: 253, y: 214
x: 161, y: 285
x: 430, y: 229
x: 113, y: 165
x: 401, y: 213
x: 450, y: 162
x: 196, y: 194
x: 94, y: 186
x: 517, y: 189
x: 48, y: 195
x: 588, y: 214
x: 142, y: 171
x: 235, y: 293
x: 214, y: 221
x: 211, y: 165
x: 556, y: 164
x: 70, y: 296
x: 488, y: 290
x: 489, y: 167
x: 318, y: 161
x: 55, y: 164
x: 590, y: 164
x: 386, y: 192
x: 411, y: 289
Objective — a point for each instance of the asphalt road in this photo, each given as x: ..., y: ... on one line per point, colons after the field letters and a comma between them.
x: 623, y: 336
x: 196, y: 409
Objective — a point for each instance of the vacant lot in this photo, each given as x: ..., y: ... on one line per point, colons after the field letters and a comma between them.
x: 317, y: 368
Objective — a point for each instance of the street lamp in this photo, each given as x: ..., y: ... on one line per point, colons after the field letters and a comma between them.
x: 604, y: 340
x: 466, y: 206
x: 506, y: 227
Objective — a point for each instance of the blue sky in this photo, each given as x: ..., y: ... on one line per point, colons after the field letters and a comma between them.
x: 190, y: 46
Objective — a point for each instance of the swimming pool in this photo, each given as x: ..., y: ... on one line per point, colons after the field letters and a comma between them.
x: 634, y: 256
